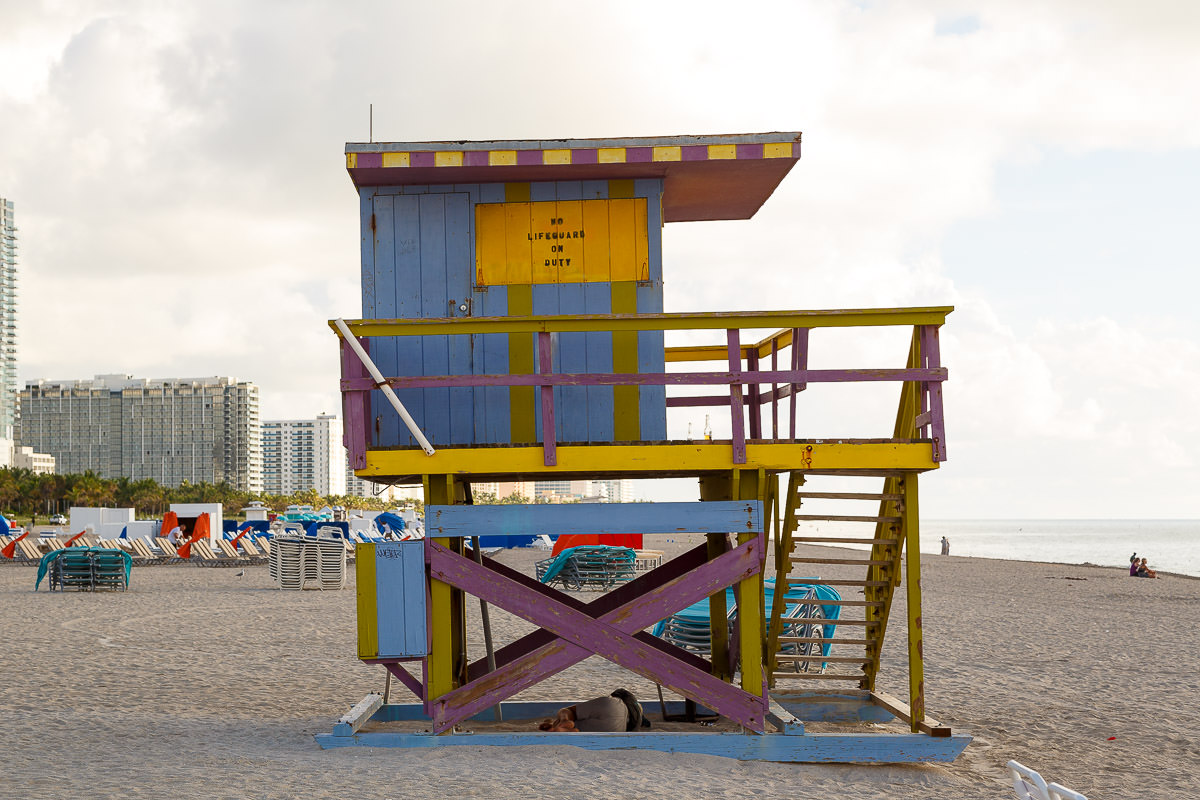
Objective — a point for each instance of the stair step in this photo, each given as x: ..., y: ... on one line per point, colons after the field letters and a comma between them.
x: 820, y: 659
x: 838, y: 582
x: 840, y: 518
x: 819, y: 640
x: 845, y: 540
x: 863, y: 603
x: 864, y: 562
x: 864, y: 622
x: 849, y: 496
x: 818, y: 676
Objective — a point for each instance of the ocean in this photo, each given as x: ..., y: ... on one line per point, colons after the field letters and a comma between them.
x: 1170, y: 545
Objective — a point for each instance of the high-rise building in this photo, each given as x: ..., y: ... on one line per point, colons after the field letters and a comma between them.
x: 618, y: 491
x: 8, y: 319
x: 169, y: 429
x: 301, y: 454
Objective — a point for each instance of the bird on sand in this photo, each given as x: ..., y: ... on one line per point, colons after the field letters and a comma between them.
x: 240, y: 574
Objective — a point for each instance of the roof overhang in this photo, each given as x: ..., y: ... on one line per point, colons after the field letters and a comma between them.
x: 704, y: 177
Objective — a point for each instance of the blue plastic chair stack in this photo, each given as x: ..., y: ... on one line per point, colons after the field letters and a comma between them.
x: 689, y: 628
x: 588, y: 567
x: 85, y: 569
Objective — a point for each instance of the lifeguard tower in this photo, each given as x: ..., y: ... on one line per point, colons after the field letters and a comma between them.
x: 513, y: 329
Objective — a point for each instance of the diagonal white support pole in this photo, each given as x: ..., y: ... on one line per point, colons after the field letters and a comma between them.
x: 377, y: 376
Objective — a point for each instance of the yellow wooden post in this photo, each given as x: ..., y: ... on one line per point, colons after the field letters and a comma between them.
x: 717, y: 488
x: 446, y: 633
x: 916, y: 664
x: 750, y: 596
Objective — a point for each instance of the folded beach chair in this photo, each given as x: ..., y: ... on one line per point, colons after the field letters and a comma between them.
x: 29, y: 549
x: 228, y: 551
x: 248, y: 547
x: 141, y: 549
x: 203, y: 551
x: 1029, y: 785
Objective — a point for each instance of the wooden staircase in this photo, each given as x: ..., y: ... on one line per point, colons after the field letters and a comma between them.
x: 858, y: 638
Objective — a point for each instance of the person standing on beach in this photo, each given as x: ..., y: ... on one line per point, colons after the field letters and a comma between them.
x: 945, y: 546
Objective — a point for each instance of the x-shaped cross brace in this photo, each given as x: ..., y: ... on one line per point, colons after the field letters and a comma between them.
x: 609, y: 634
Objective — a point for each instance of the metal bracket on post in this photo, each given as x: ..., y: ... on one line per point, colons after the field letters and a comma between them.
x: 377, y: 376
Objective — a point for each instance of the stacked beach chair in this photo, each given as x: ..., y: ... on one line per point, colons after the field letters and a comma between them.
x: 306, y: 563
x: 594, y: 567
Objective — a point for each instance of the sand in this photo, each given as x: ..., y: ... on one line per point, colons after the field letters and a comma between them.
x: 198, y: 683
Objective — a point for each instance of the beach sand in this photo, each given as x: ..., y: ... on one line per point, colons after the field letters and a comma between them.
x: 197, y: 683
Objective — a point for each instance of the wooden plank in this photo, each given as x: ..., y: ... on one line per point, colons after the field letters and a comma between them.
x: 523, y: 423
x: 864, y: 623
x: 845, y: 540
x: 857, y: 603
x: 549, y: 431
x: 737, y: 416
x: 897, y: 707
x: 817, y: 676
x: 669, y: 321
x: 597, y: 299
x: 571, y: 406
x: 652, y: 399
x: 743, y: 516
x: 808, y: 748
x: 912, y: 585
x: 849, y: 496
x: 359, y: 715
x: 866, y: 562
x: 459, y: 242
x: 435, y: 350
x: 819, y: 659
x: 843, y: 518
x: 398, y: 278
x: 841, y: 582
x: 627, y: 426
x: 825, y: 640
x: 495, y: 359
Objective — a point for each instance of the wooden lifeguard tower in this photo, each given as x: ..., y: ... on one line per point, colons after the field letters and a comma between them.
x: 513, y: 329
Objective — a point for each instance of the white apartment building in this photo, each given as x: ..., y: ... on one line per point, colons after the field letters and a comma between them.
x: 8, y: 322
x: 169, y: 429
x: 37, y: 463
x: 301, y: 454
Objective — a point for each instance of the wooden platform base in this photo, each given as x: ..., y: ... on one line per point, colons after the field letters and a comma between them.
x: 791, y: 743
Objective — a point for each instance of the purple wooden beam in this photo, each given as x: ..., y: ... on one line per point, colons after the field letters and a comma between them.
x: 414, y: 685
x: 774, y: 389
x: 800, y: 377
x: 932, y: 349
x: 752, y: 397
x: 622, y: 594
x: 356, y: 407
x: 733, y: 336
x: 546, y: 367
x: 799, y: 364
x: 610, y: 636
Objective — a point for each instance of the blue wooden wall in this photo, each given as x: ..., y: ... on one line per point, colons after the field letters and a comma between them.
x: 418, y: 260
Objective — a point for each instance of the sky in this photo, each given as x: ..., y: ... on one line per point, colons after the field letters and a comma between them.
x: 184, y: 210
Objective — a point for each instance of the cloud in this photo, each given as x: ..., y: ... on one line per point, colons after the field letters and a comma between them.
x: 184, y: 207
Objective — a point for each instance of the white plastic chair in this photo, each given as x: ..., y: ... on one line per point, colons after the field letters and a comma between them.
x: 1029, y: 785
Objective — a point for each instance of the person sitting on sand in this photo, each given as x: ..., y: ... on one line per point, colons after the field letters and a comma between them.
x: 618, y: 713
x: 1145, y: 572
x: 1133, y: 566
